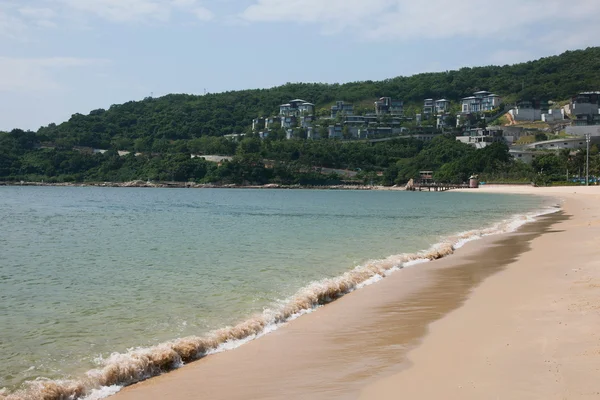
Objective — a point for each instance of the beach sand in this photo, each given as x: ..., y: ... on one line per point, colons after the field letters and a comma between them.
x: 507, y: 317
x: 531, y: 331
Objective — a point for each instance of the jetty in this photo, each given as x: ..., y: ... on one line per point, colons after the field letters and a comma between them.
x: 436, y: 187
x: 426, y: 183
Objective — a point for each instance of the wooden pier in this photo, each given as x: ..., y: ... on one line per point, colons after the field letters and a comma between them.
x: 436, y: 187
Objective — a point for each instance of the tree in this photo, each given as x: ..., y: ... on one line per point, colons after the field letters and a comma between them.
x: 346, y: 134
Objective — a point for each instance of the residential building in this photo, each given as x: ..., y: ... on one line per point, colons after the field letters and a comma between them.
x: 386, y: 105
x: 526, y: 110
x: 585, y: 104
x: 442, y: 106
x: 480, y: 101
x: 554, y: 114
x: 526, y: 156
x: 480, y: 138
x: 289, y: 122
x: 443, y: 121
x: 296, y: 108
x: 585, y: 108
x: 428, y: 107
x: 592, y: 130
x: 436, y: 107
x: 272, y: 122
x: 307, y: 121
x: 258, y: 124
x: 563, y: 143
x: 341, y: 108
x: 334, y: 131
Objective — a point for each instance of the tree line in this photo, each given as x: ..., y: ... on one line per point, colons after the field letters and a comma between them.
x: 154, y: 124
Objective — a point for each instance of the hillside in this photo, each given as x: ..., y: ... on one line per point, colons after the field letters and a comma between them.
x: 149, y: 124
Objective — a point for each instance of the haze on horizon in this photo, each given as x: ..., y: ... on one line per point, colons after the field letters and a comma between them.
x: 60, y: 57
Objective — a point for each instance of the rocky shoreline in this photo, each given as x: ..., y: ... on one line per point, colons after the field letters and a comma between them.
x: 193, y: 185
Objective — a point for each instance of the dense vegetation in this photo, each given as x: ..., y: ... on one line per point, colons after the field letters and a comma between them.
x: 151, y: 124
x: 287, y: 162
x: 168, y: 129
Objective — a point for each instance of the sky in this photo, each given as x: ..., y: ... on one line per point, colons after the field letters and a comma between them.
x: 61, y: 57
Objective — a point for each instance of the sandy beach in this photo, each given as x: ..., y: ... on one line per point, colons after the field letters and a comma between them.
x: 514, y: 316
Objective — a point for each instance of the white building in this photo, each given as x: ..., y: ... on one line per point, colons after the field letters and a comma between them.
x: 296, y: 108
x: 480, y: 101
x: 480, y: 138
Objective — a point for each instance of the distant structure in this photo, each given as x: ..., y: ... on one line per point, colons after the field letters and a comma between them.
x: 297, y: 119
x: 387, y: 106
x: 341, y: 108
x: 585, y: 107
x: 438, y: 109
x: 536, y: 110
x: 480, y: 138
x: 480, y: 101
x: 296, y: 108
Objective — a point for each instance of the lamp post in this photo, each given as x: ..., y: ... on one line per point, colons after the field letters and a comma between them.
x: 587, y: 160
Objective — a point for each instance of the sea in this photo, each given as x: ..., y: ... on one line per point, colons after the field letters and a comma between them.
x: 104, y: 287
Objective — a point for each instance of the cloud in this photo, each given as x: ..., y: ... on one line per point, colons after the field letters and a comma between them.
x: 203, y: 14
x: 121, y: 10
x: 333, y: 15
x: 11, y: 26
x: 38, y: 74
x: 404, y: 20
x: 16, y: 20
x: 37, y: 13
x: 138, y: 10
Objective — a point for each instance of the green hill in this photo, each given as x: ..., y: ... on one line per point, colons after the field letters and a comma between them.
x: 137, y: 125
x: 167, y: 129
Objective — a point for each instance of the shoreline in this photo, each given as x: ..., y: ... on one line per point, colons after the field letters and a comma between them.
x: 299, y: 344
x: 527, y: 332
x: 193, y: 185
x: 356, y: 279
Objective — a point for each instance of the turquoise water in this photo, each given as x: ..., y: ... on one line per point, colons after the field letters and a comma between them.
x: 85, y: 272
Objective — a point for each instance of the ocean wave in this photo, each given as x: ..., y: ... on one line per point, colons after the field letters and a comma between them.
x: 123, y: 369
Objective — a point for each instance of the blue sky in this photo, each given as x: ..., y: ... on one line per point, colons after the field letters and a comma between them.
x: 59, y: 57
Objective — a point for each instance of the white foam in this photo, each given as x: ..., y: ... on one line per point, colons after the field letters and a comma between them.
x: 103, y: 392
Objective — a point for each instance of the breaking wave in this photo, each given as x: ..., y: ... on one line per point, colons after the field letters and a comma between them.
x: 123, y: 369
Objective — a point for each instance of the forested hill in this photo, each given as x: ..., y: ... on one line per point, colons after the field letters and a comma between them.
x: 137, y: 125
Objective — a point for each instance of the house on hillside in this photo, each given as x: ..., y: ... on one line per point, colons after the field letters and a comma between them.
x: 480, y: 138
x: 480, y: 101
x: 296, y: 108
x: 258, y: 124
x: 585, y: 109
x: 387, y: 106
x: 526, y: 110
x: 341, y: 108
x: 435, y: 107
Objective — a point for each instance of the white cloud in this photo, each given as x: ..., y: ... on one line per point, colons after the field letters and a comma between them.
x: 16, y: 19
x: 203, y: 14
x: 122, y: 10
x: 334, y: 15
x: 11, y: 26
x: 37, y: 13
x: 38, y: 74
x: 434, y: 19
x: 138, y: 10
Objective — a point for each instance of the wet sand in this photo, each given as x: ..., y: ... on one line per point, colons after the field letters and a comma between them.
x: 361, y: 344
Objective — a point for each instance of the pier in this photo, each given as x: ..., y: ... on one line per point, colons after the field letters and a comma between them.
x: 426, y: 183
x: 436, y: 187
